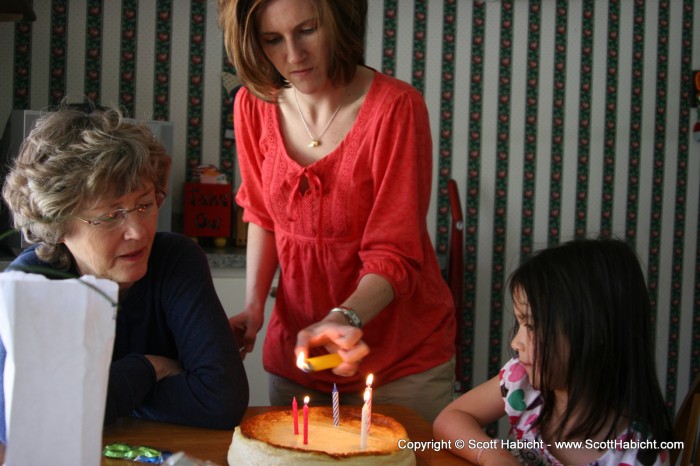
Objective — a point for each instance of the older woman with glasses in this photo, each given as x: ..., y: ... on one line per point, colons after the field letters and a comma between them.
x: 85, y: 191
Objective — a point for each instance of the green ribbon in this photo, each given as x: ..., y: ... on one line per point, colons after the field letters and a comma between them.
x: 125, y: 451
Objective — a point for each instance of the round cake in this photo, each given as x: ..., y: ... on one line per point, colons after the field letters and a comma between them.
x: 268, y: 439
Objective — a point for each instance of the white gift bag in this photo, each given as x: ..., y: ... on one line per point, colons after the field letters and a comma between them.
x: 59, y: 336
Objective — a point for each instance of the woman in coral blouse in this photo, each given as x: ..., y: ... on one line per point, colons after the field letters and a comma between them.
x: 336, y: 167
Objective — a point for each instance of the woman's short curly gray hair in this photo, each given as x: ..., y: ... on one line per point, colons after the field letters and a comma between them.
x: 73, y: 160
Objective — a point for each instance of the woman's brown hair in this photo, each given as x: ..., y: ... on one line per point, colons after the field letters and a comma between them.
x: 343, y: 22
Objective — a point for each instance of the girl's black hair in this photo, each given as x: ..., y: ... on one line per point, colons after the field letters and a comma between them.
x: 590, y: 297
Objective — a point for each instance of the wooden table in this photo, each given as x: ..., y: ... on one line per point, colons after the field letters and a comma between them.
x: 212, y: 445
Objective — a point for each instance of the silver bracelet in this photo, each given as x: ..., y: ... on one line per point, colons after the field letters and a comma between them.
x: 478, y: 457
x: 350, y: 314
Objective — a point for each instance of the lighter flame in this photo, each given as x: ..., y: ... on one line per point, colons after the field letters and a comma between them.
x: 301, y: 361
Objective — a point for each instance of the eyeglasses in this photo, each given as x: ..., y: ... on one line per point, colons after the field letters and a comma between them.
x: 117, y: 217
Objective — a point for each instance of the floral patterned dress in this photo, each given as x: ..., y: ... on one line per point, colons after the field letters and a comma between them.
x: 523, y: 405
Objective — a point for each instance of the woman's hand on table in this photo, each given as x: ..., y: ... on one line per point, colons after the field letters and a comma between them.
x: 164, y: 367
x: 245, y: 327
x: 335, y: 337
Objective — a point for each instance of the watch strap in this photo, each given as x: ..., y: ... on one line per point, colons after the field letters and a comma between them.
x: 350, y: 315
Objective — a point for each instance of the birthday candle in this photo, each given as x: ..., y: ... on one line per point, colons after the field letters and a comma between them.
x: 306, y: 420
x: 336, y: 407
x: 368, y: 390
x: 295, y: 416
x: 366, y: 420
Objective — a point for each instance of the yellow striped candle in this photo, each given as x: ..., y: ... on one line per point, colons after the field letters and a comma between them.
x: 366, y: 421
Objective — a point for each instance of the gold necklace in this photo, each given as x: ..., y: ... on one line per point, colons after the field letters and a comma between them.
x: 315, y: 140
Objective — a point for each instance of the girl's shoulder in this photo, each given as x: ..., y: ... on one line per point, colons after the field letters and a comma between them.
x: 633, y: 447
x: 513, y: 376
x: 519, y: 396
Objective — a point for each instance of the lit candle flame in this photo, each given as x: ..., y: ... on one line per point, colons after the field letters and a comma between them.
x: 370, y: 379
x: 306, y: 400
x: 366, y: 396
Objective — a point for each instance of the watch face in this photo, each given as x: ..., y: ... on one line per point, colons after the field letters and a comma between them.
x: 352, y: 317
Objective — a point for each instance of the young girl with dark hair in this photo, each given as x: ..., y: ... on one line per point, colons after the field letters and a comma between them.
x: 583, y: 371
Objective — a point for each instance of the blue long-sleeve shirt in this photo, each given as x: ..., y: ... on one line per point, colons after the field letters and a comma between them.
x: 173, y: 311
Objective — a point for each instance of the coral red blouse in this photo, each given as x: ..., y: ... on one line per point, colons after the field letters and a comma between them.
x: 364, y: 211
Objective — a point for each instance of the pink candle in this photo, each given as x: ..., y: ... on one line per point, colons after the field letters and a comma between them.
x: 295, y: 416
x: 306, y: 420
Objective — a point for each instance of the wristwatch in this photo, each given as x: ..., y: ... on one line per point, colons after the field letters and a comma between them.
x: 350, y: 314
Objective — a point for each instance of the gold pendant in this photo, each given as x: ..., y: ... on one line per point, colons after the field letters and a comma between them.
x: 314, y: 143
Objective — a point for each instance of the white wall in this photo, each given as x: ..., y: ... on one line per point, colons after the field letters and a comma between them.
x: 230, y: 286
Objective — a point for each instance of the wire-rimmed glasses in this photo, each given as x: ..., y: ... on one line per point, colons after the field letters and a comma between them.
x: 116, y: 217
